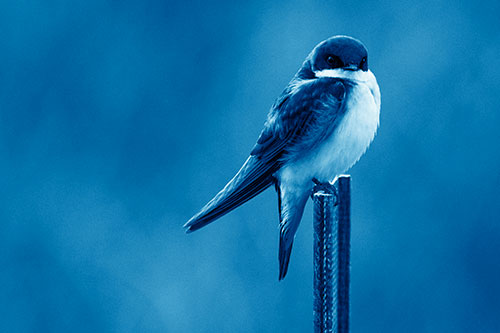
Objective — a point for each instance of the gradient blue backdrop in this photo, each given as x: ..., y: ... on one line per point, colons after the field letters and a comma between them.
x: 120, y: 119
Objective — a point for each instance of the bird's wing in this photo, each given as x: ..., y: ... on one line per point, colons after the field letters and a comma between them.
x: 253, y: 178
x: 305, y: 113
x: 295, y: 115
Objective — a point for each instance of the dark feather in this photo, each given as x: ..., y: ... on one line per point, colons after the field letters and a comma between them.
x: 305, y: 115
x: 284, y: 258
x: 253, y: 178
x: 284, y: 250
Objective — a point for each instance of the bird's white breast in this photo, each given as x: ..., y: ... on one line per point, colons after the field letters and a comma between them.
x: 349, y: 140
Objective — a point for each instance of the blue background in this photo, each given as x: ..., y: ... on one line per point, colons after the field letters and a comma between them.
x: 120, y: 119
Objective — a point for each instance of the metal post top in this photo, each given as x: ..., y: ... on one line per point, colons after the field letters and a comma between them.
x: 332, y: 189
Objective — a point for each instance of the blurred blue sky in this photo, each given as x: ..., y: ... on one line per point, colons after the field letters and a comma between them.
x: 120, y: 119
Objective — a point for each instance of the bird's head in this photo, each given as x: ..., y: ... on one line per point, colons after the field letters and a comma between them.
x: 336, y: 53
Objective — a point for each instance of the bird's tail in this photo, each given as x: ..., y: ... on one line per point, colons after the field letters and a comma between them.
x: 291, y: 208
x: 253, y: 178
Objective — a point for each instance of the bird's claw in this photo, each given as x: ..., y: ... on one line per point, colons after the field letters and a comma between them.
x: 325, y: 187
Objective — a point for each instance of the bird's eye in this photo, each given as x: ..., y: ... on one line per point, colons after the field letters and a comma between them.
x: 334, y: 61
x: 362, y: 65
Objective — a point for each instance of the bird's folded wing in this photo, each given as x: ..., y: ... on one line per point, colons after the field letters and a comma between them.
x: 296, y: 121
x: 253, y: 178
x: 302, y: 116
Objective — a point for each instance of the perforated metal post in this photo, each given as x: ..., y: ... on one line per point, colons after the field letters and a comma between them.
x: 332, y: 232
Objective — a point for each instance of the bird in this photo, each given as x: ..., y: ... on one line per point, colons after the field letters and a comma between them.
x: 318, y: 128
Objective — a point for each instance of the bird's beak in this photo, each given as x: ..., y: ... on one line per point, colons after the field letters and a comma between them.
x: 350, y: 67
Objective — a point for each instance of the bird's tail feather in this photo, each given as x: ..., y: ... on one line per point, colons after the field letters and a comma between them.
x: 253, y: 178
x: 284, y: 258
x: 291, y: 210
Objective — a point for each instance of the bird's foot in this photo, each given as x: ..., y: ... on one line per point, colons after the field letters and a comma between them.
x: 325, y: 187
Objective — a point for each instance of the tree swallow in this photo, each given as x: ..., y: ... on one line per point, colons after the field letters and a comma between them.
x: 320, y: 125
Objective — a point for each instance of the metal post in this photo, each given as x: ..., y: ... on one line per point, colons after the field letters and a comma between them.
x: 332, y: 229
